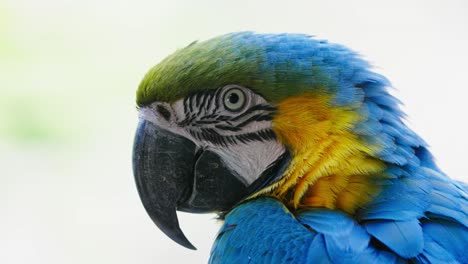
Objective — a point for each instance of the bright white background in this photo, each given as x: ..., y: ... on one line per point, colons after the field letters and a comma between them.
x: 68, y: 72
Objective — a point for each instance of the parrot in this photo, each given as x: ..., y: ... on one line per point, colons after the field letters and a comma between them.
x: 299, y: 147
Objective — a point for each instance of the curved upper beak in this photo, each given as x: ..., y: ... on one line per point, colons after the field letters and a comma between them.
x: 162, y: 166
x: 172, y: 173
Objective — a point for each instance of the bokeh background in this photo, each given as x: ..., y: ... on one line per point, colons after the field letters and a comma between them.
x: 68, y: 74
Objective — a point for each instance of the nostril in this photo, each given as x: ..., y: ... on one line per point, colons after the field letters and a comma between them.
x: 163, y: 112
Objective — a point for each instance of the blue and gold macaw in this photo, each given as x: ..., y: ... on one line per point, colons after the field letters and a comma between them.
x: 300, y: 149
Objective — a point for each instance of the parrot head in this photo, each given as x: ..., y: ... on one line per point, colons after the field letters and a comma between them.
x: 246, y: 115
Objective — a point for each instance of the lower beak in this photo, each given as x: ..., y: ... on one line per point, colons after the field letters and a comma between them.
x: 171, y: 174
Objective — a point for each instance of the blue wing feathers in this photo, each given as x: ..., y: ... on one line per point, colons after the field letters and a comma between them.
x: 255, y: 220
x: 317, y: 252
x: 317, y: 236
x: 435, y: 254
x: 264, y: 231
x: 374, y: 110
x: 445, y: 207
x: 446, y: 242
x: 325, y: 221
x: 404, y: 199
x: 403, y: 237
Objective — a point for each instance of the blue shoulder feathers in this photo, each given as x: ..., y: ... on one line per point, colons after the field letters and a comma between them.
x: 265, y: 231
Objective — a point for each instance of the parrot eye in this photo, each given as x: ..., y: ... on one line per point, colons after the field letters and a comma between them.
x: 234, y: 99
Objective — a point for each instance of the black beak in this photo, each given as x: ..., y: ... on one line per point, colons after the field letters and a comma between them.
x: 172, y: 173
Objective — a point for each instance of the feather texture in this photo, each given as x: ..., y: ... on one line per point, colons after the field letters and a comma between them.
x: 263, y: 230
x: 405, y: 238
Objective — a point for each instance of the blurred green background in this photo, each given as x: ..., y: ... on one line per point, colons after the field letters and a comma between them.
x: 68, y: 74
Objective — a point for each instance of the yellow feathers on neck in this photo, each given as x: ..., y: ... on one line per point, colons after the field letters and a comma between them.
x: 331, y: 167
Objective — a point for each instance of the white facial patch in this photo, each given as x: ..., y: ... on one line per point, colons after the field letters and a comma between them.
x: 251, y: 159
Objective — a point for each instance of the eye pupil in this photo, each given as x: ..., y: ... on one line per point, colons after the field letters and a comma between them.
x: 233, y: 98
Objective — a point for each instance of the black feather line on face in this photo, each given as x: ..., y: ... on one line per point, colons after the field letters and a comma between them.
x: 205, y: 122
x: 212, y: 116
x: 198, y: 97
x: 210, y: 97
x: 259, y: 117
x: 228, y: 128
x: 186, y: 106
x: 190, y: 104
x: 266, y: 108
x: 216, y: 97
x: 223, y: 118
x: 187, y: 121
x: 212, y: 136
x: 203, y: 100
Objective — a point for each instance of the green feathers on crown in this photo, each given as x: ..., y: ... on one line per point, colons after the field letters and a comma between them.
x: 200, y: 66
x: 276, y: 66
